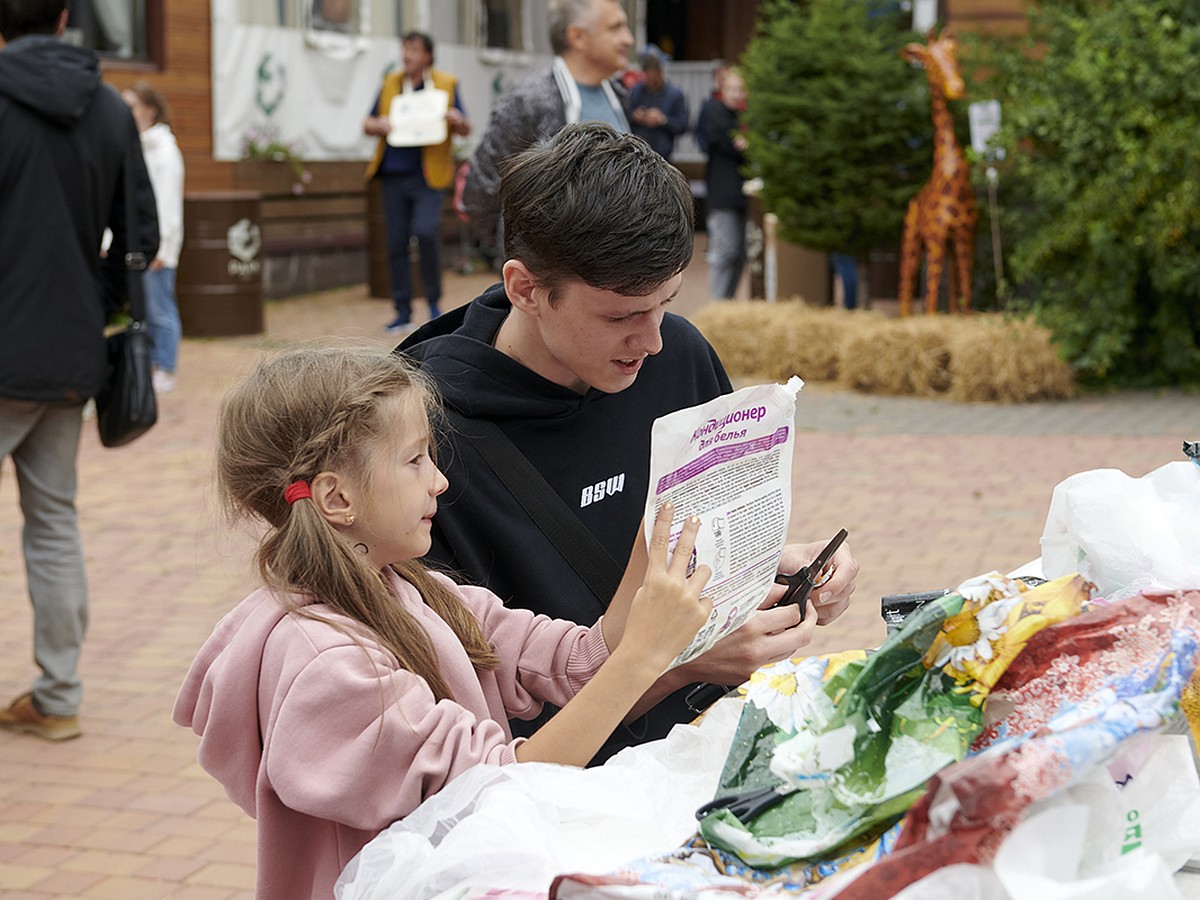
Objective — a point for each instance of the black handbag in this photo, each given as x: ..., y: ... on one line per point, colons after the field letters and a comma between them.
x: 125, y: 406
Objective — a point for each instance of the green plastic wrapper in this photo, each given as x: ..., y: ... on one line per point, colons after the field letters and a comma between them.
x: 855, y: 738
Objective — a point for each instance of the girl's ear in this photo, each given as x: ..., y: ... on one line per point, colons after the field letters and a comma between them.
x: 333, y: 497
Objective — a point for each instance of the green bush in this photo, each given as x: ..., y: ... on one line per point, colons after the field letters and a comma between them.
x: 838, y: 123
x: 1101, y: 188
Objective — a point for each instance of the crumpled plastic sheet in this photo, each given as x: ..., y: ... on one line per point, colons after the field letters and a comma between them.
x: 1124, y: 533
x: 1074, y: 789
x: 864, y: 739
x: 516, y: 827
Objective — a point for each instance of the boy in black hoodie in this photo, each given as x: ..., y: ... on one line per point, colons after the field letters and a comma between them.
x: 68, y: 142
x: 572, y: 357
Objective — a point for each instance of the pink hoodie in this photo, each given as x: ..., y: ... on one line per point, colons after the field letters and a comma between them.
x: 326, y: 741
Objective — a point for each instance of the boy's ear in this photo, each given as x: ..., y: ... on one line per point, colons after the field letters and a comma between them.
x: 332, y: 496
x: 522, y: 288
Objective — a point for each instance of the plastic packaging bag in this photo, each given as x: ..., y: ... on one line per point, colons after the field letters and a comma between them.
x: 515, y: 827
x: 1124, y: 534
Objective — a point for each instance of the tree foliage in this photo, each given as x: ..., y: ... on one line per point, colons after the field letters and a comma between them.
x: 1101, y: 191
x: 838, y: 123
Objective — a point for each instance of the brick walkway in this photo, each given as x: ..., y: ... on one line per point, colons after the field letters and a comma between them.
x: 931, y: 493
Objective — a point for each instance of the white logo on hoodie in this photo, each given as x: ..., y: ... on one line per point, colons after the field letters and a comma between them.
x: 594, y: 493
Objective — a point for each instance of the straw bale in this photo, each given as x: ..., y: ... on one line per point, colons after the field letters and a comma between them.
x: 774, y: 341
x: 1010, y: 361
x: 734, y: 329
x: 982, y: 356
x: 899, y: 356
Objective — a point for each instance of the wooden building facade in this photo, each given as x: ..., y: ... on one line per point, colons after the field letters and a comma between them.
x: 223, y: 64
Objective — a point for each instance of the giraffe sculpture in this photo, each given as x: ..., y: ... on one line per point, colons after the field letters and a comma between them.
x: 944, y: 210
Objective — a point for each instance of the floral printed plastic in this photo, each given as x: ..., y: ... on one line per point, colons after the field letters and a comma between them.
x: 853, y: 745
x: 1080, y: 699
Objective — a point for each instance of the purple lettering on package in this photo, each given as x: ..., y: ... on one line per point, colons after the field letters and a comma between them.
x: 719, y: 455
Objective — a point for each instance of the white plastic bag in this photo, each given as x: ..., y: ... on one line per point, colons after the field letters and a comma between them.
x: 1123, y: 533
x: 516, y: 827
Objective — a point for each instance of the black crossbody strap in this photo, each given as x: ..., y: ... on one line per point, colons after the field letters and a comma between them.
x: 135, y: 259
x: 578, y: 546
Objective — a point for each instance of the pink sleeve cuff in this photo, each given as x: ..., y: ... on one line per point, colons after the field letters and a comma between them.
x: 508, y: 754
x: 589, y: 654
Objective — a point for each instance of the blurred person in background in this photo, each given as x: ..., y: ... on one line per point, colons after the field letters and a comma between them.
x: 414, y: 178
x: 69, y: 158
x: 659, y: 109
x: 164, y: 162
x: 726, y: 217
x: 591, y: 42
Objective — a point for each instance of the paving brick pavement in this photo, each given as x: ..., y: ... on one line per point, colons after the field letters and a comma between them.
x: 931, y: 493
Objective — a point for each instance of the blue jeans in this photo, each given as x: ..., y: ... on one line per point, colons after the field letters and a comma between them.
x: 162, y: 318
x: 412, y: 208
x: 726, y: 251
x: 846, y: 267
x: 43, y: 440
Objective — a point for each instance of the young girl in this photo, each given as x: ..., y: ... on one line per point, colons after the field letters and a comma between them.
x: 357, y: 683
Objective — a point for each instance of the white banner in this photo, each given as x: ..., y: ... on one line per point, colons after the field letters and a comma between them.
x: 284, y: 84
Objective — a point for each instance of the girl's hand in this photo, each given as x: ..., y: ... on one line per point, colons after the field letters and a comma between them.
x: 664, y: 616
x: 667, y: 609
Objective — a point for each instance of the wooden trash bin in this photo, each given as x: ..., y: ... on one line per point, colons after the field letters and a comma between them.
x: 219, y: 281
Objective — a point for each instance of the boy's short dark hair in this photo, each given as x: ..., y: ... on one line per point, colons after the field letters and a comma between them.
x: 21, y: 17
x: 426, y: 40
x: 599, y: 206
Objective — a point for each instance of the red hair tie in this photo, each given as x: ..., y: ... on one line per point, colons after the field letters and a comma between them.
x: 297, y: 490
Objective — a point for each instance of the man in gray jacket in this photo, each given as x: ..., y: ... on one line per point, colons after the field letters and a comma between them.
x: 591, y: 41
x: 69, y: 141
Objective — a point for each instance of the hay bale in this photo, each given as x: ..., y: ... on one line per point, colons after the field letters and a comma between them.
x: 734, y: 329
x: 982, y: 356
x: 1009, y: 361
x: 774, y: 341
x: 804, y: 341
x: 899, y: 356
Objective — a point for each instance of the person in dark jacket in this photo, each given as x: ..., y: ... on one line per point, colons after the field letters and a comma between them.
x: 591, y: 42
x: 573, y: 356
x: 725, y: 221
x: 68, y: 143
x: 659, y: 109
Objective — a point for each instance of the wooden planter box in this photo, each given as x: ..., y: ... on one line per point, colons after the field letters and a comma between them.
x: 315, y: 233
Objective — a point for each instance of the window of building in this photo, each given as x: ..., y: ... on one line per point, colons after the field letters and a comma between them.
x: 504, y: 24
x: 359, y: 18
x: 117, y: 29
x: 494, y: 25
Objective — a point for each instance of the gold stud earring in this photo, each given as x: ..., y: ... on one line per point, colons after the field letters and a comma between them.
x: 350, y: 518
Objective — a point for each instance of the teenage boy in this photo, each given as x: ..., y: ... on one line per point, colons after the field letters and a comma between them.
x: 573, y: 356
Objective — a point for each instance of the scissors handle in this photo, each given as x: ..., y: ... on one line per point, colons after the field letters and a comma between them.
x: 748, y: 804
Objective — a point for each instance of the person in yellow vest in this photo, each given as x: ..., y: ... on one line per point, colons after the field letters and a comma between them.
x: 414, y: 174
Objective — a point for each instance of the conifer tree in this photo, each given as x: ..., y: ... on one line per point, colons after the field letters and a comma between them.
x: 838, y: 123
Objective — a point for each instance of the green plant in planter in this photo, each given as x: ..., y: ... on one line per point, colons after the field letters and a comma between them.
x: 1101, y: 186
x: 838, y: 123
x: 263, y: 142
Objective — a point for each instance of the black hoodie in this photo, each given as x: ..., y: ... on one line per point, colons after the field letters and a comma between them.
x: 64, y: 138
x: 592, y: 448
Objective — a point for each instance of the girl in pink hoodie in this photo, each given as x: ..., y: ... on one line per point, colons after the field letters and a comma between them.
x: 357, y: 683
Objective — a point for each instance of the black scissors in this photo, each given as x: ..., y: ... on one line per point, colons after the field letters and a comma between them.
x: 801, y: 582
x: 748, y: 804
x: 799, y: 585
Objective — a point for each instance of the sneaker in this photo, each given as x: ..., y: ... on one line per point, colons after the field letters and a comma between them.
x: 398, y: 325
x: 163, y: 381
x: 22, y: 715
